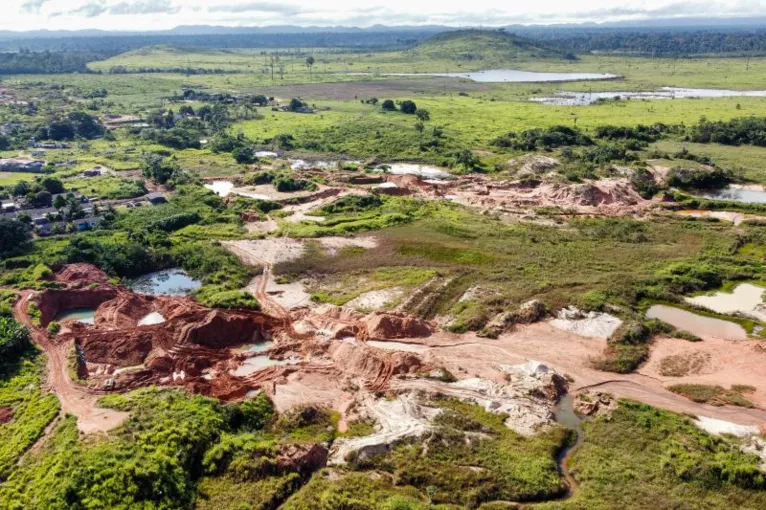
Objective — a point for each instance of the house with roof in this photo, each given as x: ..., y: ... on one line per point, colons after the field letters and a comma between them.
x: 156, y: 198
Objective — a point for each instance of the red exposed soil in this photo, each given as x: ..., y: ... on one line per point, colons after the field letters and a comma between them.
x: 193, y: 346
x: 386, y: 326
x: 6, y: 414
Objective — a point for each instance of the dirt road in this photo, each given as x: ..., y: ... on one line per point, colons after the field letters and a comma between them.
x: 75, y: 399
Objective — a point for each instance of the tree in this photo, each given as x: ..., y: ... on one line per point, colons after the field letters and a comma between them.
x: 20, y: 189
x: 59, y: 202
x: 244, y: 155
x: 296, y: 103
x: 408, y: 107
x: 85, y: 125
x: 466, y: 159
x: 61, y: 130
x: 205, y: 112
x: 14, y: 235
x: 52, y: 185
x: 219, y: 117
x: 388, y: 105
x: 260, y: 100
x: 310, y: 64
x: 159, y: 169
x: 40, y: 199
x: 14, y: 337
x: 423, y: 114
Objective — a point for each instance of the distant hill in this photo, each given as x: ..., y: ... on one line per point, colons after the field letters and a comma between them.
x: 487, y: 45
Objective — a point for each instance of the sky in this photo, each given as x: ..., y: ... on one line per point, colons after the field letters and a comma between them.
x: 141, y: 15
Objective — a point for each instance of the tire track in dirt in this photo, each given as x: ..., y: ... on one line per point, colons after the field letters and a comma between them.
x: 76, y: 400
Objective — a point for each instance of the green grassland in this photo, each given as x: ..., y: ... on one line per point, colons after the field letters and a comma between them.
x: 745, y: 160
x: 9, y: 178
x: 559, y: 265
x: 21, y: 389
x: 465, y: 51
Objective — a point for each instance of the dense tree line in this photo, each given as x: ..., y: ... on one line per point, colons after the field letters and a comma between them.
x: 47, y: 62
x: 740, y: 131
x: 659, y: 43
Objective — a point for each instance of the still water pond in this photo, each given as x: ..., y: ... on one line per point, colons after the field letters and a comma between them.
x: 83, y: 315
x: 739, y: 194
x: 697, y: 324
x: 506, y: 76
x: 170, y: 282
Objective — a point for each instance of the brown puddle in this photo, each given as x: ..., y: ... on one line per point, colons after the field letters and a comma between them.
x: 704, y: 327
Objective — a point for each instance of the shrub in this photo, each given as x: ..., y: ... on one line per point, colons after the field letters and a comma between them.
x: 14, y: 337
x: 539, y: 138
x: 388, y: 105
x: 408, y: 107
x: 236, y: 299
x: 691, y: 178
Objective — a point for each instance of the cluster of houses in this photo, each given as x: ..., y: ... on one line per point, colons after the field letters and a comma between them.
x: 49, y: 220
x: 114, y: 121
x: 21, y: 165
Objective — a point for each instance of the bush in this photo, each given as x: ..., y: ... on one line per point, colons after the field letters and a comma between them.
x: 388, y: 105
x: 705, y: 178
x: 352, y: 203
x: 539, y: 138
x: 408, y: 107
x: 14, y: 337
x: 232, y: 299
x: 176, y: 221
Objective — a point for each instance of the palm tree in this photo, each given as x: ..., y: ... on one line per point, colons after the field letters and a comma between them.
x: 310, y: 63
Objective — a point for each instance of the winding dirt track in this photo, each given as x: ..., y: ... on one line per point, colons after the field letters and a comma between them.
x: 77, y: 400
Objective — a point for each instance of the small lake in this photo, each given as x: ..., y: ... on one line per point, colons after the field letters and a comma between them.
x: 506, y: 76
x: 587, y: 98
x: 739, y: 194
x: 745, y: 298
x: 697, y: 324
x: 82, y: 315
x: 170, y: 282
x: 430, y: 172
x: 220, y: 188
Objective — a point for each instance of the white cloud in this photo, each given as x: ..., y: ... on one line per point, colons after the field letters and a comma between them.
x: 163, y: 14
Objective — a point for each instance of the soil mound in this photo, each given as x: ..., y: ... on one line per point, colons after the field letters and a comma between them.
x: 301, y: 458
x: 81, y: 274
x: 532, y: 164
x: 385, y: 326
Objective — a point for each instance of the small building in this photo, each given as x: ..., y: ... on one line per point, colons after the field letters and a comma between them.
x: 20, y: 165
x: 156, y: 198
x: 9, y: 207
x: 87, y: 223
x: 92, y: 172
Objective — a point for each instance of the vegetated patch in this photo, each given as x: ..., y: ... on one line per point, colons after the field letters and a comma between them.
x: 680, y: 365
x: 640, y: 455
x: 175, y: 451
x: 473, y: 458
x: 22, y: 394
x: 715, y: 395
